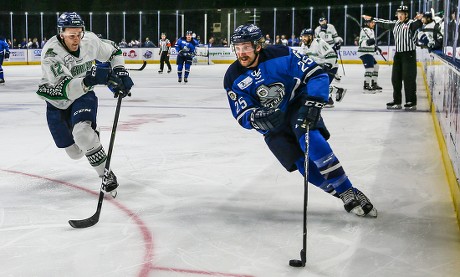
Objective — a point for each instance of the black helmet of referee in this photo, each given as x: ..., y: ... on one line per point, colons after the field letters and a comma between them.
x: 403, y: 9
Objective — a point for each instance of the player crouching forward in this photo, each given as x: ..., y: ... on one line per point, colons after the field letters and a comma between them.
x: 274, y: 90
x: 68, y: 79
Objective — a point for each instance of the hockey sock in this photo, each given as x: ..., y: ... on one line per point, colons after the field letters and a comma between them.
x: 375, y: 73
x: 88, y: 141
x: 74, y: 152
x: 368, y: 74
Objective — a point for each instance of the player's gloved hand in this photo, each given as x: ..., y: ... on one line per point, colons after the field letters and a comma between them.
x: 327, y: 67
x: 430, y: 44
x: 370, y: 41
x: 309, y: 114
x: 97, y: 76
x: 423, y: 39
x: 337, y: 46
x: 266, y: 119
x: 120, y: 82
x: 7, y: 55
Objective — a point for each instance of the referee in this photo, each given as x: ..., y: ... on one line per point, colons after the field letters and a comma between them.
x: 405, y: 63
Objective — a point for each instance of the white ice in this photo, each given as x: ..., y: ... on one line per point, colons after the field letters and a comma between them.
x: 201, y: 196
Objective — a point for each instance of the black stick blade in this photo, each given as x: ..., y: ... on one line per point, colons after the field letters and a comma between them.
x: 85, y: 223
x: 296, y: 263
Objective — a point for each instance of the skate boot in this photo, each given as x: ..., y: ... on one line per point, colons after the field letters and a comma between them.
x: 368, y: 89
x: 351, y: 202
x: 337, y: 77
x: 2, y: 81
x: 169, y: 70
x: 330, y: 103
x: 393, y: 106
x: 340, y: 94
x: 409, y: 106
x: 109, y: 183
x: 160, y: 71
x: 376, y: 87
x: 366, y: 204
x: 185, y: 80
x: 179, y: 80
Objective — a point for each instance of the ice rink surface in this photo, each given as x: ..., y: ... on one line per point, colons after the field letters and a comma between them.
x: 201, y: 196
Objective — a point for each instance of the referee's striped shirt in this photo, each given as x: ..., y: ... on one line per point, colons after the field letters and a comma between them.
x: 404, y: 32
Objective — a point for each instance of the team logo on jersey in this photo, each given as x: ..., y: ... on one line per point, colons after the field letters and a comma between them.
x: 272, y: 95
x: 50, y: 53
x: 257, y: 74
x: 68, y: 59
x: 232, y: 95
x: 245, y: 83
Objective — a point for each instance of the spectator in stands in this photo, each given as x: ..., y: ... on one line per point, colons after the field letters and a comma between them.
x: 293, y: 41
x: 284, y: 41
x: 23, y: 44
x: 451, y: 28
x: 10, y: 45
x: 268, y: 39
x: 211, y: 42
x: 34, y: 44
x: 123, y: 43
x: 134, y: 43
x: 224, y: 42
x: 278, y: 40
x: 43, y: 42
x: 148, y: 43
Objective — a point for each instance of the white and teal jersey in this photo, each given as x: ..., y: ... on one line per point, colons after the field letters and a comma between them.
x: 329, y: 34
x: 363, y: 48
x: 63, y: 72
x: 320, y: 51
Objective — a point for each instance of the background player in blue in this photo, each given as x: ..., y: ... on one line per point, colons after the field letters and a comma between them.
x: 185, y: 48
x: 68, y: 79
x: 274, y: 90
x: 4, y: 54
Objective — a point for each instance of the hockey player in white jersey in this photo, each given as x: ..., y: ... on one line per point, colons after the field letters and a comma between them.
x: 323, y: 54
x: 431, y: 35
x: 329, y: 34
x: 68, y: 79
x: 366, y: 50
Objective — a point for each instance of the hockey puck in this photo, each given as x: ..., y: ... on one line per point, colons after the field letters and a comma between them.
x: 296, y: 263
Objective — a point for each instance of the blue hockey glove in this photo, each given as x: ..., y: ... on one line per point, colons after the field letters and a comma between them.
x: 337, y: 46
x: 7, y: 55
x: 266, y: 119
x: 370, y: 41
x: 96, y: 76
x: 120, y: 82
x: 309, y: 114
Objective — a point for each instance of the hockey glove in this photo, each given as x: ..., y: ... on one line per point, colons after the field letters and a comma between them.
x: 97, y: 76
x: 370, y: 41
x: 337, y: 46
x: 120, y: 82
x: 309, y: 114
x: 7, y: 55
x: 327, y: 67
x: 266, y: 119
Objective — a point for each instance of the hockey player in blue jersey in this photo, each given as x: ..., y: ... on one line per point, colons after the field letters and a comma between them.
x: 4, y: 54
x: 275, y: 90
x: 185, y: 48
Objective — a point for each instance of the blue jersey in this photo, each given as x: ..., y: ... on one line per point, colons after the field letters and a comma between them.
x: 186, y: 48
x: 281, y: 76
x: 3, y: 47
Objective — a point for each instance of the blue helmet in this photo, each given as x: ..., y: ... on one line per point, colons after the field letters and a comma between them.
x: 70, y: 20
x: 305, y: 32
x: 247, y: 33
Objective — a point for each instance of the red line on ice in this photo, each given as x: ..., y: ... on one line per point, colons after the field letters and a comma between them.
x: 147, y: 266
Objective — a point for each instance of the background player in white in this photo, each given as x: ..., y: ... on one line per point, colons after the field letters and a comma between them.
x: 68, y: 78
x: 323, y: 54
x: 366, y: 50
x: 277, y: 91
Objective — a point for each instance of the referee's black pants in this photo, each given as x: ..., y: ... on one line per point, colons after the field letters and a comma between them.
x: 404, y: 70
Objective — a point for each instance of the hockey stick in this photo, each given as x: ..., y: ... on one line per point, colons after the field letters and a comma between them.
x: 90, y: 221
x: 357, y: 22
x: 303, y: 252
x: 341, y: 62
x: 144, y: 64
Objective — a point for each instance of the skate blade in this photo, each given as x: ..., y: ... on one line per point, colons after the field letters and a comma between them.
x: 372, y: 213
x: 113, y: 193
x: 357, y: 211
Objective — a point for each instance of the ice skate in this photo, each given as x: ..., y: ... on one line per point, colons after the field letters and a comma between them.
x: 393, y: 106
x: 160, y: 71
x: 179, y: 80
x: 185, y: 80
x: 409, y: 106
x: 376, y: 87
x: 337, y: 77
x: 366, y: 205
x: 351, y: 202
x: 340, y: 94
x: 368, y: 89
x: 2, y: 81
x: 169, y: 70
x: 110, y: 184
